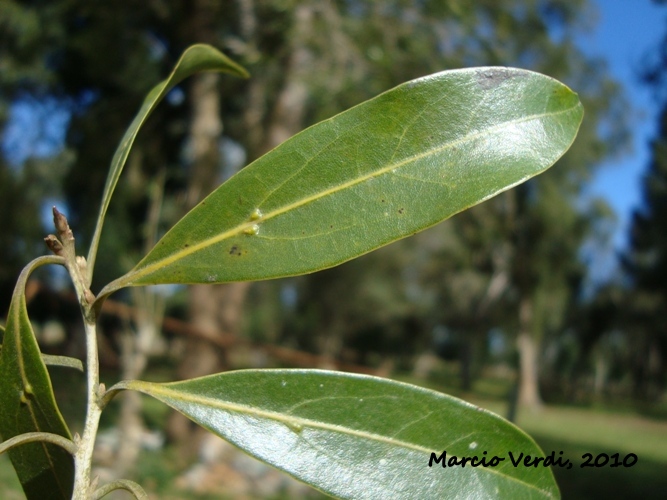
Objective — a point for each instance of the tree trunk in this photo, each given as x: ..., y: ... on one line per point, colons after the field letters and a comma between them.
x: 529, y: 394
x: 601, y: 372
x: 141, y: 335
x: 288, y: 114
x: 136, y: 346
x: 465, y: 358
x: 217, y: 309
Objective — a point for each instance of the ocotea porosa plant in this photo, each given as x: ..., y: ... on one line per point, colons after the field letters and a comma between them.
x: 385, y: 169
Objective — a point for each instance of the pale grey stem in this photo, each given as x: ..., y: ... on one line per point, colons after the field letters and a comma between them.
x: 64, y: 247
x: 83, y: 457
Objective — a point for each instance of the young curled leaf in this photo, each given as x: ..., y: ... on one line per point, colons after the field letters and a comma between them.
x: 195, y: 59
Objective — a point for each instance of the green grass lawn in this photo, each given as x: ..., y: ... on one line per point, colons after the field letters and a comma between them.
x: 640, y: 429
x: 576, y: 431
x: 579, y: 431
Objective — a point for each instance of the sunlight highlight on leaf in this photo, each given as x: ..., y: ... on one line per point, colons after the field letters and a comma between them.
x: 355, y: 436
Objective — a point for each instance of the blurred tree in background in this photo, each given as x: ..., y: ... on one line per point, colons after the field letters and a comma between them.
x: 646, y: 263
x: 646, y: 259
x: 511, y: 265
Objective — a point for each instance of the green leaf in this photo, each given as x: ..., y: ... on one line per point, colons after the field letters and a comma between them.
x: 28, y: 405
x: 195, y: 59
x: 62, y: 361
x: 355, y: 436
x: 383, y: 170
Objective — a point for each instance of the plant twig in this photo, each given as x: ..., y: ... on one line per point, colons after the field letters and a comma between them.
x: 121, y: 484
x: 84, y: 455
x: 63, y: 245
x: 31, y: 437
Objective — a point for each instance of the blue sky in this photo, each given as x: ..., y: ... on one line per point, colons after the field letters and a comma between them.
x: 625, y: 32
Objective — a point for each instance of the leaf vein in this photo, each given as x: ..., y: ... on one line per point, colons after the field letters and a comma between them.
x: 167, y: 394
x: 140, y: 272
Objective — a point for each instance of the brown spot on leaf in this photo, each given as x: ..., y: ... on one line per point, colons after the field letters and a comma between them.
x: 490, y: 78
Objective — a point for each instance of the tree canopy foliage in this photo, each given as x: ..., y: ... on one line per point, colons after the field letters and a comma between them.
x: 645, y: 262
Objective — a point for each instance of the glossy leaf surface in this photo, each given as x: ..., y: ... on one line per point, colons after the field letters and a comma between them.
x: 355, y: 436
x: 195, y: 59
x: 27, y: 404
x: 380, y: 171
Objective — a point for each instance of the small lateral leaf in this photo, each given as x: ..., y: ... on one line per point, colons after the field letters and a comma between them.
x: 362, y: 437
x: 28, y: 404
x: 195, y: 59
x: 383, y: 170
x: 63, y: 361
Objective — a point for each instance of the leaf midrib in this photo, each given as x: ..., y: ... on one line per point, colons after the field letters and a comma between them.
x: 139, y: 273
x: 156, y: 390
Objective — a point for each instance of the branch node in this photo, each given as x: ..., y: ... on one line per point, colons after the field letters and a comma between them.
x: 54, y: 245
